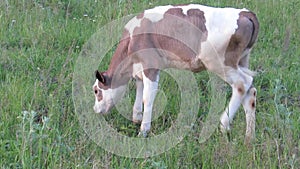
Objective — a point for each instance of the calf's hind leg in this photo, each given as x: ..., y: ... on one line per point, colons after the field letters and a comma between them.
x: 249, y: 104
x: 240, y: 83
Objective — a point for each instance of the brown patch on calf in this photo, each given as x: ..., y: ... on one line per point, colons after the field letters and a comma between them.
x: 140, y: 16
x: 253, y: 103
x: 117, y: 65
x: 104, y: 80
x: 175, y: 12
x: 243, y: 38
x: 240, y: 88
x: 98, y: 93
x: 151, y: 74
x: 176, y: 38
x: 252, y: 17
x: 254, y: 93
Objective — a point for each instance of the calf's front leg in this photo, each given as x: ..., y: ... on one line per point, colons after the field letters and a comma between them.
x: 149, y: 93
x: 138, y: 103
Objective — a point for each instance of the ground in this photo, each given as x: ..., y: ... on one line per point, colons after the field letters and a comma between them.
x: 40, y: 42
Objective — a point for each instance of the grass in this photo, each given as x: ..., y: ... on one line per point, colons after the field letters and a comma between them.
x: 40, y: 41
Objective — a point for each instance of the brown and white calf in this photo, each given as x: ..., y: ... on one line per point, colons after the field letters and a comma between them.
x: 191, y: 37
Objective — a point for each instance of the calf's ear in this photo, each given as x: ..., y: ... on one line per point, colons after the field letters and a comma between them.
x: 100, y: 76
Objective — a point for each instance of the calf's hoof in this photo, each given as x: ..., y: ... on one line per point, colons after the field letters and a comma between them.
x: 143, y: 134
x: 137, y: 118
x: 225, y: 125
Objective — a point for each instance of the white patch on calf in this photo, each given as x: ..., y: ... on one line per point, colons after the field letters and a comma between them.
x: 221, y: 24
x: 110, y: 97
x: 156, y: 14
x: 132, y: 24
x: 137, y: 69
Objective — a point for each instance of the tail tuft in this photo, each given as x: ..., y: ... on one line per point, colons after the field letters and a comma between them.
x: 248, y: 71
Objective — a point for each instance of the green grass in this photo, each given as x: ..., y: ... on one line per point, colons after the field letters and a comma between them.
x: 39, y: 43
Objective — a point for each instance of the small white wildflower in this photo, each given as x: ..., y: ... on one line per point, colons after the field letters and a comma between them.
x: 25, y: 112
x: 45, y: 119
x: 85, y: 15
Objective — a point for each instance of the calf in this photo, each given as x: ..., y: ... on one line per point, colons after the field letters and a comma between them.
x: 191, y: 37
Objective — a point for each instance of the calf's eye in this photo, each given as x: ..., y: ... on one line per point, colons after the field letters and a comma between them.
x: 96, y: 91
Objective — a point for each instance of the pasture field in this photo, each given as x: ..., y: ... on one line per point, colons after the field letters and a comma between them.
x: 40, y: 41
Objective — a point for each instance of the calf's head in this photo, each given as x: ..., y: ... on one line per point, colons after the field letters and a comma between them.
x: 105, y: 94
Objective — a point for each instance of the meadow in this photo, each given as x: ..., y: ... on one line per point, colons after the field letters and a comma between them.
x: 40, y: 41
